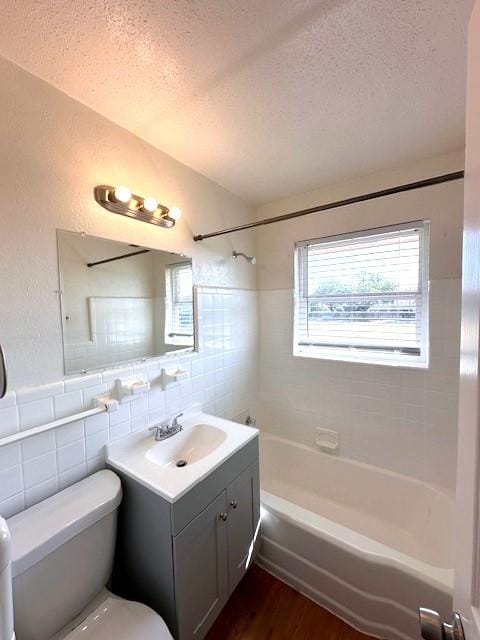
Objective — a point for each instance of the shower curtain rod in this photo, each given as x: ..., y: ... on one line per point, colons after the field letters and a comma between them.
x: 420, y: 184
x: 125, y: 255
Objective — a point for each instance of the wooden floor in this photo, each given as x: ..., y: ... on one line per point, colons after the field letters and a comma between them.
x: 263, y: 608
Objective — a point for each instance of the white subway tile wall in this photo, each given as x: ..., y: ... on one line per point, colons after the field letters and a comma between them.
x: 401, y: 419
x: 122, y: 329
x: 222, y: 378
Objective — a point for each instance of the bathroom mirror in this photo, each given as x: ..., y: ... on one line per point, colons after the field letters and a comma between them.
x: 121, y: 302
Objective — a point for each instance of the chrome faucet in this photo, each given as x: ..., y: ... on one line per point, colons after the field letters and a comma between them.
x: 166, y: 430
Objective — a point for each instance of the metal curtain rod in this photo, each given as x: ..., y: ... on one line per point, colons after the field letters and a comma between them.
x: 126, y: 255
x: 447, y: 177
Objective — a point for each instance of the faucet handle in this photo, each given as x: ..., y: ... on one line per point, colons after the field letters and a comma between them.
x: 156, y: 430
x: 175, y: 420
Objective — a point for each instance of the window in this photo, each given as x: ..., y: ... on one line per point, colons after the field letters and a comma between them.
x: 364, y: 296
x: 179, y: 325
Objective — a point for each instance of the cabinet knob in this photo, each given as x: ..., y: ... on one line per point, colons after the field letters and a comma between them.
x: 223, y: 516
x: 234, y: 504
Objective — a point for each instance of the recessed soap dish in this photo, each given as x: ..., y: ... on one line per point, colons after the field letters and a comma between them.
x: 326, y: 439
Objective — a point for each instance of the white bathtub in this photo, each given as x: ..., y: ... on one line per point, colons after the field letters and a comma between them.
x: 369, y: 545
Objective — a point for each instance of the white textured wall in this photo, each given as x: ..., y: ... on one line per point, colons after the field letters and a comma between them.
x: 401, y: 419
x: 54, y: 151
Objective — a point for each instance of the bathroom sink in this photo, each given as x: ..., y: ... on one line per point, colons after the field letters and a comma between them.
x: 173, y: 466
x: 186, y: 447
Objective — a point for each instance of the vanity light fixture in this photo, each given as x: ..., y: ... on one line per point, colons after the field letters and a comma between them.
x: 121, y: 200
x: 174, y: 213
x: 121, y: 194
x: 149, y: 205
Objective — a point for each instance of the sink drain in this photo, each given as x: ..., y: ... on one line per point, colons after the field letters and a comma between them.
x: 182, y: 463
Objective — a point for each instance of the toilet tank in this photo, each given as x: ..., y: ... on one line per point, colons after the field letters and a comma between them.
x: 6, y: 603
x: 62, y: 554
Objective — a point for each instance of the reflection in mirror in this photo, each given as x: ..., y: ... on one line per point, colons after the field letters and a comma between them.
x: 121, y: 302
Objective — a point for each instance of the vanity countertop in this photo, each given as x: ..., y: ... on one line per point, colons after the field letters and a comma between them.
x: 205, y: 442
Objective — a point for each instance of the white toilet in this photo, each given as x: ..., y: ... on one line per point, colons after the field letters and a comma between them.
x: 55, y: 560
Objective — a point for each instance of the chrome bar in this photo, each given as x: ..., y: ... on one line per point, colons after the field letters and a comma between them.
x: 420, y: 184
x: 28, y: 433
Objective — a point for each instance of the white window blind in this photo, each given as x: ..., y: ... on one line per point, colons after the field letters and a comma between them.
x: 179, y: 326
x: 364, y: 296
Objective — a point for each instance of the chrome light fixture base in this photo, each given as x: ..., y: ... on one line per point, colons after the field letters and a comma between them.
x: 132, y: 209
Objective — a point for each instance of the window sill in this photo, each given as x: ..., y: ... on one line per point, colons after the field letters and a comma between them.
x: 362, y: 358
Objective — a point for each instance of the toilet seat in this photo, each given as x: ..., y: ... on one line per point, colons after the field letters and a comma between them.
x: 122, y: 620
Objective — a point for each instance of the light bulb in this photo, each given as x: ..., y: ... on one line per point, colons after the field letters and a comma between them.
x: 149, y: 205
x: 122, y: 194
x: 174, y: 213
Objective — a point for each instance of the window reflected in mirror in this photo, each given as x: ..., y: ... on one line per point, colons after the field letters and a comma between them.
x: 121, y: 302
x: 179, y: 317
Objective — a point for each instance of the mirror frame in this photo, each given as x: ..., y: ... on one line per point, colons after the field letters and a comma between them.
x: 123, y: 363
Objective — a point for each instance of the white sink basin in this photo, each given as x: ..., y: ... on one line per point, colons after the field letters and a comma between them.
x: 186, y: 447
x: 204, y: 444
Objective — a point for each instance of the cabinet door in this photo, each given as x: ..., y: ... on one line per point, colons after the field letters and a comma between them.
x: 201, y: 570
x: 243, y: 518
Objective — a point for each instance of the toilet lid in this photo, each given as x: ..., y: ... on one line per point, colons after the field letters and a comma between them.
x: 122, y: 620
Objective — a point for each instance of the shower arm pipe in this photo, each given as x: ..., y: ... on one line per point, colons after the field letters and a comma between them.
x: 411, y: 186
x: 55, y: 424
x: 240, y: 254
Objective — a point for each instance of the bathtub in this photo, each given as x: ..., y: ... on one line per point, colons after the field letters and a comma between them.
x: 367, y: 544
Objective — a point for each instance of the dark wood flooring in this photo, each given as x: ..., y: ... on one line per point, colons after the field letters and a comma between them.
x: 264, y: 608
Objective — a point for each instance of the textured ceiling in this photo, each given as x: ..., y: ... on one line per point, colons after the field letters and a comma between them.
x: 266, y: 97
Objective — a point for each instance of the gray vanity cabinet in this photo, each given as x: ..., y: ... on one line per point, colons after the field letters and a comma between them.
x: 243, y: 516
x: 185, y: 558
x: 201, y: 573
